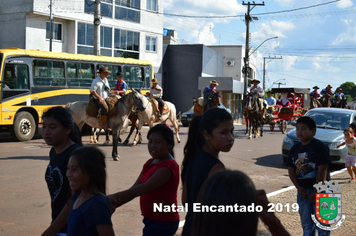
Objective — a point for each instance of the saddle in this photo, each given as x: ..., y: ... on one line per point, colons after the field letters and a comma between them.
x: 155, y: 105
x: 200, y: 101
x: 93, y: 109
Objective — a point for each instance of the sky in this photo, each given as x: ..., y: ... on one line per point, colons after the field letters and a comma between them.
x: 316, y: 38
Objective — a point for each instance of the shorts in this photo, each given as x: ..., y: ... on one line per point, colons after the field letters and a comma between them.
x: 350, y: 160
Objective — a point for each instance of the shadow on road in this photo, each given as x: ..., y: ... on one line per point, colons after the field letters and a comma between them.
x: 271, y: 161
x: 41, y: 158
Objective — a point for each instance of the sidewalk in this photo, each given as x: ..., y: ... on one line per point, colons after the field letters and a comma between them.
x: 291, y: 220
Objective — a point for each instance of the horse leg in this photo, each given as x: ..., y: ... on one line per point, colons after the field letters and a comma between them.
x: 114, y: 153
x: 250, y: 129
x: 128, y: 137
x: 92, y: 135
x: 107, y: 138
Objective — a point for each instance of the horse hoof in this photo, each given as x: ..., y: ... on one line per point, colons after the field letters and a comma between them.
x: 126, y: 142
x: 106, y: 143
x: 134, y: 144
x: 139, y: 142
x: 95, y: 141
x: 119, y: 140
x: 116, y: 158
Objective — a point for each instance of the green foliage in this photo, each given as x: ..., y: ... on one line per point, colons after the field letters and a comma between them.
x: 349, y: 89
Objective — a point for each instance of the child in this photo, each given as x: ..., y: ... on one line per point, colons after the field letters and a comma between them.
x: 307, y: 165
x: 353, y: 127
x: 208, y: 135
x: 88, y: 212
x: 227, y: 188
x: 157, y: 184
x: 350, y: 159
x: 60, y: 132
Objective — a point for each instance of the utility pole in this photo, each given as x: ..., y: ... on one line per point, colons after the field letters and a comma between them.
x: 247, y: 47
x: 50, y: 25
x: 97, y: 22
x: 264, y: 69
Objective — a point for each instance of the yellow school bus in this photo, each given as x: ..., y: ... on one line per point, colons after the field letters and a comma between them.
x: 33, y: 81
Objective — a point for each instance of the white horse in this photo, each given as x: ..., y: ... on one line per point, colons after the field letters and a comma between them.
x: 117, y: 122
x: 150, y: 117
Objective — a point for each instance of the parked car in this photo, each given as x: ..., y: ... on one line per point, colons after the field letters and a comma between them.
x: 187, y: 116
x: 330, y: 123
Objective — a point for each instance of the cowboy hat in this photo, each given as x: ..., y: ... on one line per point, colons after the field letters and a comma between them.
x: 339, y: 89
x: 329, y: 86
x: 315, y: 87
x: 104, y: 70
x: 155, y: 81
x: 214, y: 82
x: 255, y: 80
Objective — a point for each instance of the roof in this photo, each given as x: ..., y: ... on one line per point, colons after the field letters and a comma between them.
x: 290, y: 90
x: 334, y: 110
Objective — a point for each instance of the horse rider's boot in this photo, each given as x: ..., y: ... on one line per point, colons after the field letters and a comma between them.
x: 160, y: 113
x: 264, y: 113
x: 104, y: 120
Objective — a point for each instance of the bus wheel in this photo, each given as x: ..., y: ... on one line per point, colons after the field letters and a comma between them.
x: 24, y: 126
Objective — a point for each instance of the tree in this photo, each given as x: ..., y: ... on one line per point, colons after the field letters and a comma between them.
x: 349, y: 88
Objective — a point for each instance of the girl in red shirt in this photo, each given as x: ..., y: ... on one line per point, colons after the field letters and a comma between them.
x: 157, y: 185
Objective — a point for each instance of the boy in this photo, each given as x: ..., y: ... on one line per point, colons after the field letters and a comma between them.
x: 307, y: 165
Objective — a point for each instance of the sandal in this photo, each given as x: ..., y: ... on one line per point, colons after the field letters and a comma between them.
x: 351, y: 181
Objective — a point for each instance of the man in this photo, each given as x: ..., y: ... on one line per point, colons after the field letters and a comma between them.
x: 121, y: 86
x: 339, y: 95
x: 156, y: 92
x: 100, y: 90
x: 256, y: 89
x: 270, y: 100
x: 208, y: 92
x: 327, y: 93
x: 315, y: 94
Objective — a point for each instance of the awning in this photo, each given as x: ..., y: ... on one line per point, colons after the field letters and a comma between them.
x: 226, y: 84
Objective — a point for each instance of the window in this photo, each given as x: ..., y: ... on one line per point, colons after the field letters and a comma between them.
x: 151, y: 44
x: 16, y: 77
x: 48, y: 73
x: 148, y: 76
x: 106, y: 7
x: 133, y: 76
x: 128, y: 10
x: 112, y: 76
x: 126, y: 44
x: 151, y: 5
x: 80, y: 74
x: 85, y: 38
x: 57, y: 31
x: 105, y: 41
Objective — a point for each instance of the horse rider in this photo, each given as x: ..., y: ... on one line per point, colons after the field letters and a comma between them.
x: 327, y: 92
x: 156, y: 92
x: 100, y: 90
x: 339, y: 95
x: 256, y: 89
x: 315, y: 94
x: 208, y: 92
x: 270, y: 100
x: 121, y: 86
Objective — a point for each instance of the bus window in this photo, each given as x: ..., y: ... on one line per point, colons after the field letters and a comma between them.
x: 15, y: 80
x: 148, y: 76
x: 48, y: 73
x: 112, y: 76
x: 80, y: 74
x: 133, y: 76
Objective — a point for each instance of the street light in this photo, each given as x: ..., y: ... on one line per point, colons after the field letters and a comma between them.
x: 246, y: 59
x: 263, y: 43
x: 279, y: 83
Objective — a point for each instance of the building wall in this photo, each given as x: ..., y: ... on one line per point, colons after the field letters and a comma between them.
x: 26, y: 20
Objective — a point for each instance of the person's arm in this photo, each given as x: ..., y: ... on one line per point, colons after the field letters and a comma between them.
x: 342, y: 144
x: 105, y: 230
x: 184, y: 194
x: 321, y: 176
x: 273, y: 224
x: 161, y: 176
x: 217, y: 167
x: 95, y: 94
x: 294, y: 179
x: 59, y: 222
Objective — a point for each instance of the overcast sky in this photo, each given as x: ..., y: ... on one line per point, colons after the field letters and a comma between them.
x: 317, y: 43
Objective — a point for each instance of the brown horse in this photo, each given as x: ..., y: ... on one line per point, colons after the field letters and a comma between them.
x: 133, y: 117
x: 255, y: 115
x: 314, y: 103
x: 213, y: 101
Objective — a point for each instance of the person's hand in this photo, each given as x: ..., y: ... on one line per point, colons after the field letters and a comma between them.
x: 311, y: 198
x: 302, y: 192
x: 101, y: 100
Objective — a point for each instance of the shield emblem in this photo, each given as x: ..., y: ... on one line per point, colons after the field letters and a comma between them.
x: 328, y: 207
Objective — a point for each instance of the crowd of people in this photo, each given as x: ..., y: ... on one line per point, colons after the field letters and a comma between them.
x: 76, y: 175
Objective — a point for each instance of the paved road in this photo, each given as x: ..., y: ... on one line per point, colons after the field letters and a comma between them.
x: 24, y: 198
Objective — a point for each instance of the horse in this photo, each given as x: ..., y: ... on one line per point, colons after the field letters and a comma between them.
x: 255, y: 115
x: 213, y: 101
x: 314, y: 103
x: 150, y: 116
x: 133, y: 117
x: 117, y: 119
x: 341, y: 103
x: 326, y: 101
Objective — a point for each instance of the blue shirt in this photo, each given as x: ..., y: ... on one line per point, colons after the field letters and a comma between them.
x: 342, y: 95
x: 84, y: 219
x: 270, y: 101
x: 121, y: 86
x: 208, y: 91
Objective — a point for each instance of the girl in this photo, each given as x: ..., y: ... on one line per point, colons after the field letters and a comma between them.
x: 208, y: 135
x: 157, y: 184
x: 60, y: 132
x: 88, y: 212
x: 350, y: 159
x: 353, y: 127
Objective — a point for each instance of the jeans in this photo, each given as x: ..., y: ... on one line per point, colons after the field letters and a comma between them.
x: 159, y: 227
x: 305, y: 211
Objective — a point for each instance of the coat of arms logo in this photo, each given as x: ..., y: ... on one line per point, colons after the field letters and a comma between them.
x: 328, y: 205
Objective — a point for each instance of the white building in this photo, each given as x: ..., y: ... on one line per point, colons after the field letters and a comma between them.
x: 129, y: 28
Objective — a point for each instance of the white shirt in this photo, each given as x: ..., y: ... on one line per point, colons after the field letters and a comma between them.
x: 156, y: 92
x: 98, y: 86
x: 258, y: 89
